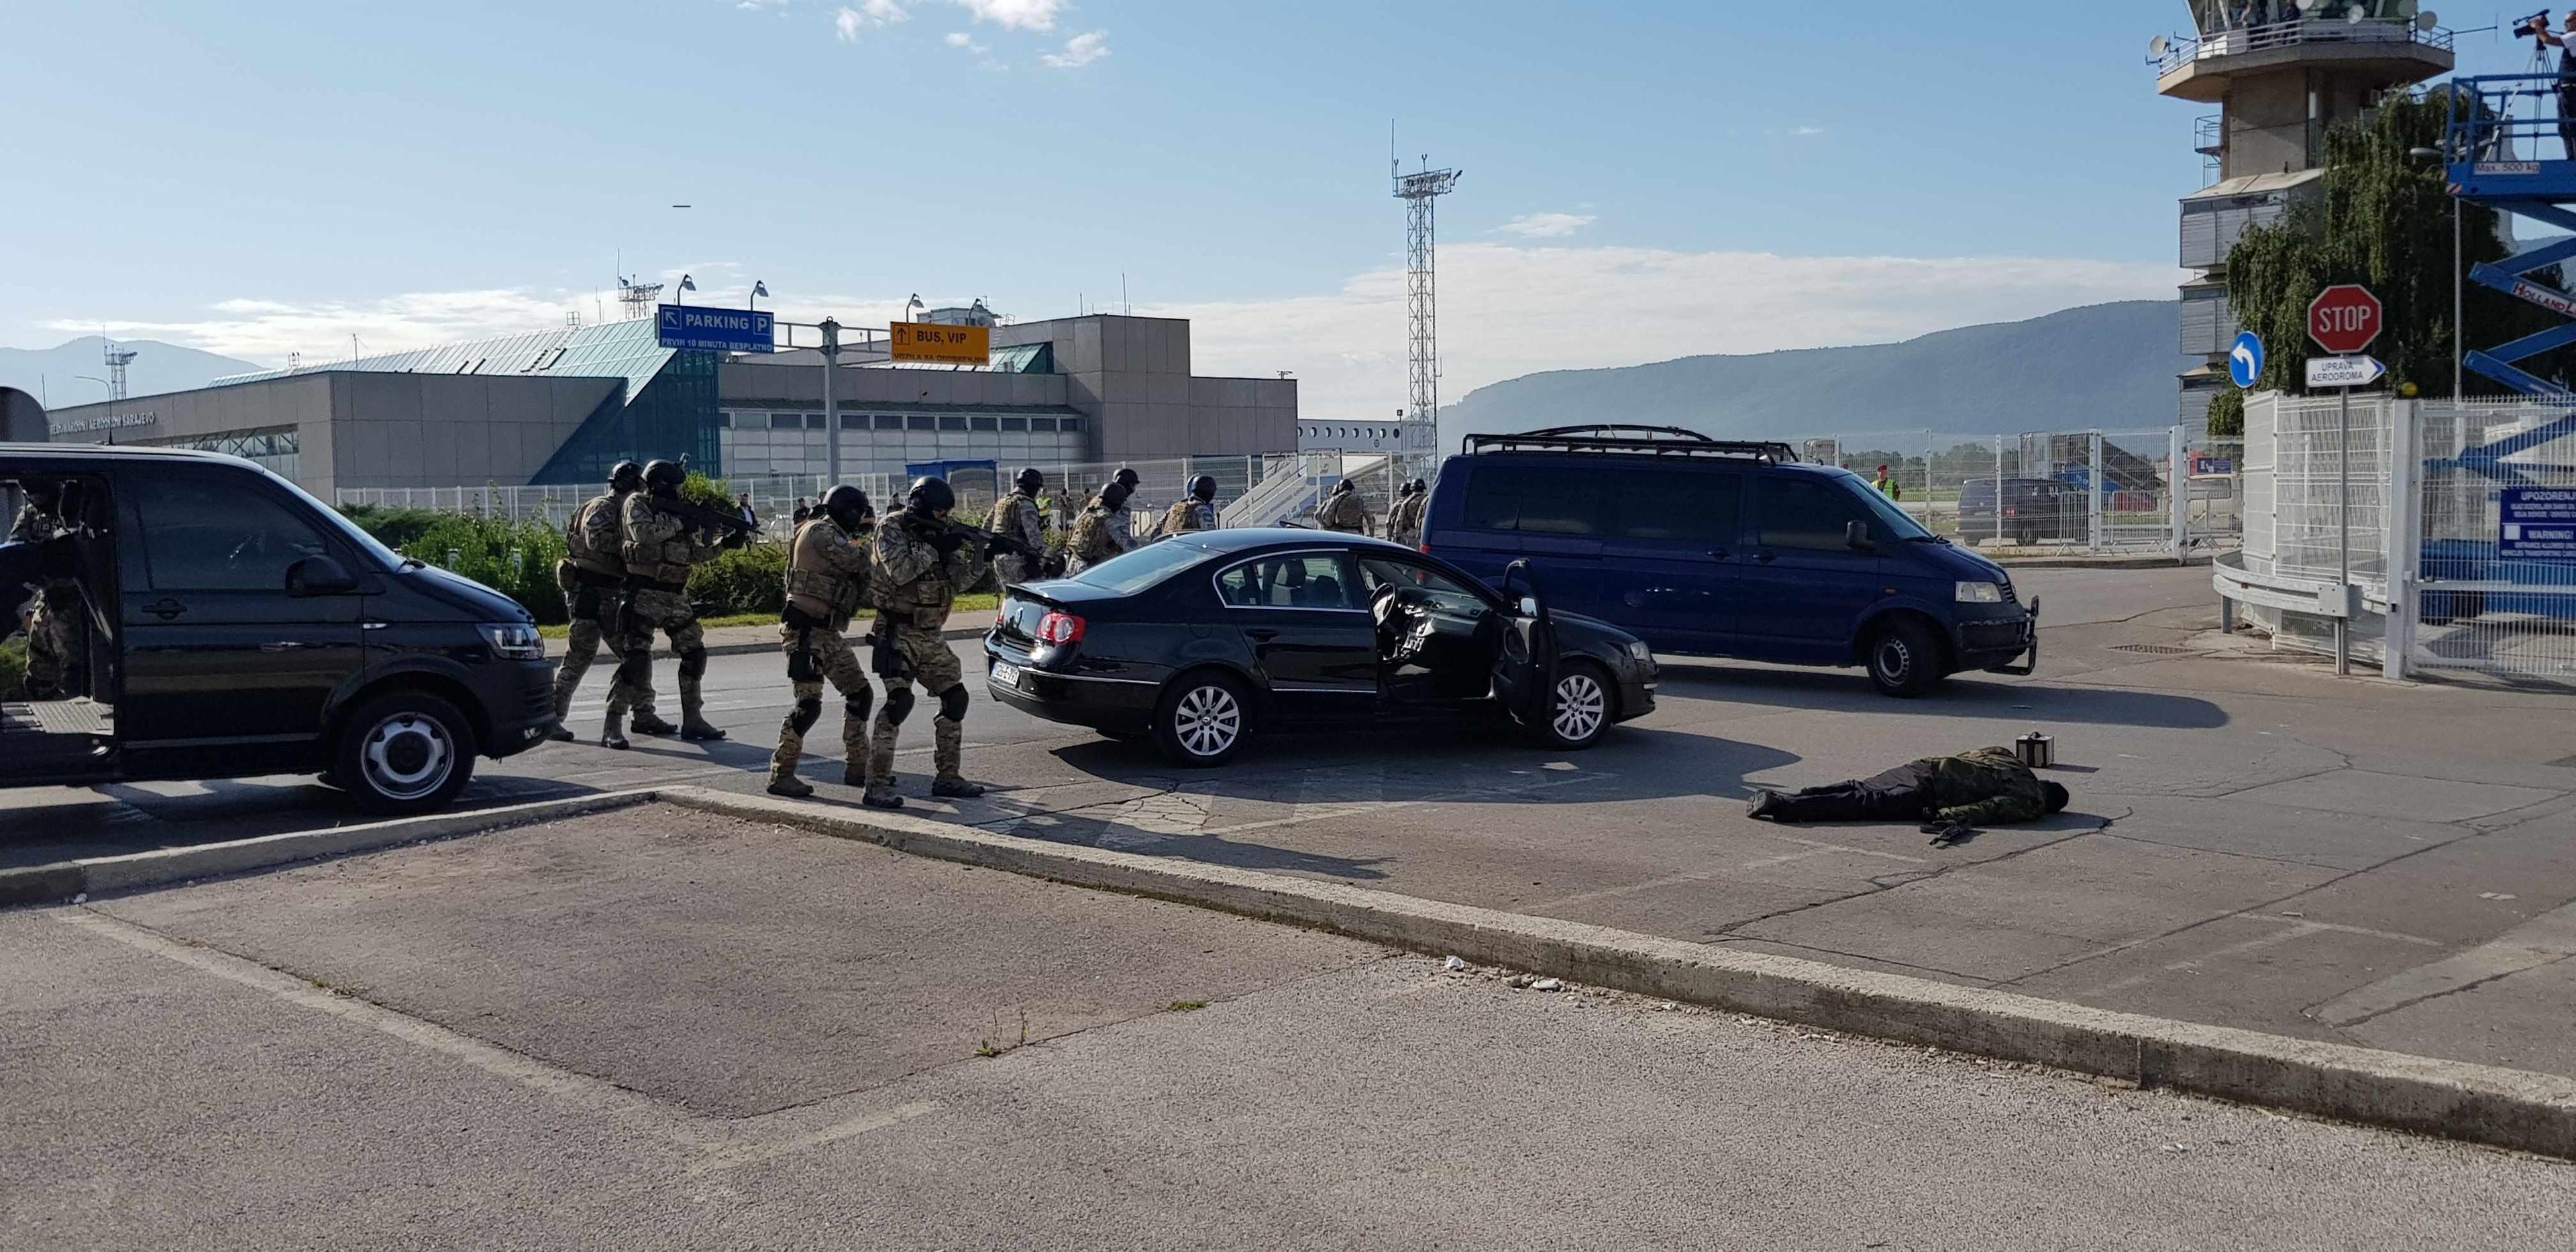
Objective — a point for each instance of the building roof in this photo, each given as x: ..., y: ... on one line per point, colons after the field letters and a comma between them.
x: 627, y: 350
x: 2255, y: 185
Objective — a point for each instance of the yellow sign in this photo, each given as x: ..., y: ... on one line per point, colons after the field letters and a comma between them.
x: 946, y: 345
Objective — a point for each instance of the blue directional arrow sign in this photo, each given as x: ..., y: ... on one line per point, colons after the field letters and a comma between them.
x: 715, y: 330
x: 2245, y: 361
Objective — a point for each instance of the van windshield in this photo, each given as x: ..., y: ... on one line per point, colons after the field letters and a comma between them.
x: 346, y: 529
x: 1893, y: 517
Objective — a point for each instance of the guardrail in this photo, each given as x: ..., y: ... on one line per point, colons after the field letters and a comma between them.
x: 2186, y: 49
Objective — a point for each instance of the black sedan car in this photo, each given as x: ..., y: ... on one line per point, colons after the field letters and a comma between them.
x: 1201, y: 639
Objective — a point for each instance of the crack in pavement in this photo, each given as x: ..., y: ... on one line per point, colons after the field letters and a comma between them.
x: 1887, y: 883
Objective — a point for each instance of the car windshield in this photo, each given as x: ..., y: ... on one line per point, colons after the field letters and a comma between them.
x: 1896, y: 519
x: 1143, y: 567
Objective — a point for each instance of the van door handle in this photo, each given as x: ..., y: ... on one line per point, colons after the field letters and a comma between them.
x: 165, y: 608
x: 1764, y: 557
x: 282, y: 645
x: 1260, y: 634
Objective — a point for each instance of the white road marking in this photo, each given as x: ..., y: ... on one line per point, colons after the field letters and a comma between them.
x: 2544, y: 940
x: 754, y: 1153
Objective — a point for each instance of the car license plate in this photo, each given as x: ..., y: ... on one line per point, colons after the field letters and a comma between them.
x: 1006, y: 674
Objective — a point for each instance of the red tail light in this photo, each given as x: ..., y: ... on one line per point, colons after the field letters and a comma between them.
x: 2012, y: 512
x: 1060, y: 629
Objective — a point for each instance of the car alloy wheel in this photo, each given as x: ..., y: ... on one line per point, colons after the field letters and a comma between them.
x: 407, y: 756
x: 1580, y: 707
x: 1207, y: 720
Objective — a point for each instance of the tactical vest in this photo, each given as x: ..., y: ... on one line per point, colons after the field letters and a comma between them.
x: 823, y: 590
x: 665, y: 563
x: 590, y: 564
x: 925, y: 601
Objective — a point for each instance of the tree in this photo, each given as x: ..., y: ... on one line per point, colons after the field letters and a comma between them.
x: 2227, y: 414
x: 2383, y: 220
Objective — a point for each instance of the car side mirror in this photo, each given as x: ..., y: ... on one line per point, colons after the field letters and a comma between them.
x: 319, y: 576
x: 1529, y: 606
x: 1856, y: 535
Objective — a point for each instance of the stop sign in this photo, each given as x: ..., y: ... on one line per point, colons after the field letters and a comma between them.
x: 2344, y: 319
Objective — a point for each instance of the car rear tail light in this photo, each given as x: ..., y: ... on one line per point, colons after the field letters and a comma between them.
x: 1060, y: 629
x: 1001, y: 615
x: 2012, y: 512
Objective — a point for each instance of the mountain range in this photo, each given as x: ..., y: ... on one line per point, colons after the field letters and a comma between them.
x: 54, y: 375
x: 2100, y: 367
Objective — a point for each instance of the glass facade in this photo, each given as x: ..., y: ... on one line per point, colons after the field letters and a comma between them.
x: 673, y: 416
x: 279, y: 448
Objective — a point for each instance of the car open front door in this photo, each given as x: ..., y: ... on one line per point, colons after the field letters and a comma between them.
x: 1525, y: 663
x: 243, y: 627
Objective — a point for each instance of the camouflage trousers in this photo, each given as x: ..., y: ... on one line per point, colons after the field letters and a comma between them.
x: 668, y: 612
x: 1008, y: 569
x: 833, y: 662
x: 927, y: 661
x: 56, y: 645
x: 594, y: 613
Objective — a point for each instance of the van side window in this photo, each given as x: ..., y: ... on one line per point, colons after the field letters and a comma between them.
x: 1534, y: 500
x: 1687, y: 506
x: 201, y: 535
x: 1805, y: 513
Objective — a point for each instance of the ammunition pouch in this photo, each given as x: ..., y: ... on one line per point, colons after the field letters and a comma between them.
x: 884, y: 659
x: 800, y: 663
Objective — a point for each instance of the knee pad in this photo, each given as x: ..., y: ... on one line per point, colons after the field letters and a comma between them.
x: 806, y: 713
x: 693, y: 663
x: 635, y: 669
x: 952, y: 703
x: 898, y: 705
x: 854, y: 706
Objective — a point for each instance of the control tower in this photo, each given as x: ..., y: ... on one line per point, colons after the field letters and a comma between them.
x: 2282, y: 73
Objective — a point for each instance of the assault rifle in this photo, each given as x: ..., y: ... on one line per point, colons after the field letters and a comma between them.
x: 737, y: 531
x: 991, y: 542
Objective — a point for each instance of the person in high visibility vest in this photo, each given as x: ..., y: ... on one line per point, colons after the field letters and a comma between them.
x: 1888, y: 486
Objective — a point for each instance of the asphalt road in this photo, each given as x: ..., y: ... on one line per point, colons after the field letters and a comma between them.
x: 662, y: 1030
x: 2253, y: 843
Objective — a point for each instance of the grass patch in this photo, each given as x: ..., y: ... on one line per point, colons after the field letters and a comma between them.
x: 1001, y: 1043
x: 965, y: 604
x: 1186, y: 1006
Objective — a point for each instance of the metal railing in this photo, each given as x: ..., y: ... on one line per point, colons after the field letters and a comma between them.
x: 2183, y: 50
x: 2049, y: 492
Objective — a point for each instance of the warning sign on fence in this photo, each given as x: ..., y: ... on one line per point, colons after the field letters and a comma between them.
x: 2539, y: 523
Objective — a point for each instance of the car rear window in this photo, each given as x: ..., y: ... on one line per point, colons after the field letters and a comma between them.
x: 1135, y: 571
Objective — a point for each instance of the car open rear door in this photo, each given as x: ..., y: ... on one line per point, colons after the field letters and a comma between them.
x: 1525, y: 663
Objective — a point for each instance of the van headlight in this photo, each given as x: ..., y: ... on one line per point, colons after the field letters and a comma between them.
x: 1980, y: 593
x: 514, y: 641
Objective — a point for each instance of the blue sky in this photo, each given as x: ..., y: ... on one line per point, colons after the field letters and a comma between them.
x: 1643, y: 180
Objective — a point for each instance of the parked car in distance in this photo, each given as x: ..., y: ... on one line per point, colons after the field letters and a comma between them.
x: 238, y: 627
x: 2034, y: 510
x: 1708, y: 548
x: 1200, y: 640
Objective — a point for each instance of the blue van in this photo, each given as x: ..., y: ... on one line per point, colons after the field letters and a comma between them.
x: 1709, y: 548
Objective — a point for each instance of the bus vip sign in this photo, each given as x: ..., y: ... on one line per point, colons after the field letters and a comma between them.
x: 2344, y: 319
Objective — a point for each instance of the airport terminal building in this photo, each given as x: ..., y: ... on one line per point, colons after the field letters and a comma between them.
x: 562, y: 406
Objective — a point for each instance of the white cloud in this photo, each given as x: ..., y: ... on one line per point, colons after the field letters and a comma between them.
x: 1509, y: 310
x: 1015, y: 14
x: 870, y: 15
x: 1808, y: 130
x: 1079, y: 51
x: 1548, y: 225
x: 964, y: 42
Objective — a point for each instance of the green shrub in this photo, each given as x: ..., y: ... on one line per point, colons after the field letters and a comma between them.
x: 394, y: 528
x: 516, y: 559
x: 748, y: 580
x: 13, y: 667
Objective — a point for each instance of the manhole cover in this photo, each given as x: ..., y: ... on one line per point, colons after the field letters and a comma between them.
x: 2153, y: 649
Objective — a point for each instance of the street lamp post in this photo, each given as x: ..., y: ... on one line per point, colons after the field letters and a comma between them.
x: 111, y: 401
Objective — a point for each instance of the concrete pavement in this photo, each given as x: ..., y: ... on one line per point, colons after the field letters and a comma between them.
x: 657, y: 1033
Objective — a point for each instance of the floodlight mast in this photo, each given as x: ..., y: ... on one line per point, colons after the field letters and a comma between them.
x: 1422, y: 289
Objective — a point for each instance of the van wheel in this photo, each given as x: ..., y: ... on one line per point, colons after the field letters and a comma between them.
x: 404, y: 752
x: 2027, y: 536
x: 1202, y: 720
x: 1578, y: 710
x: 1904, y: 659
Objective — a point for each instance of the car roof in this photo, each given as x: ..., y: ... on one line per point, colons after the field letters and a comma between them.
x: 113, y: 452
x: 1255, y: 538
x: 1639, y: 460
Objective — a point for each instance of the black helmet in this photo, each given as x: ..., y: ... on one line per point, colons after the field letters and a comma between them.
x: 1420, y: 486
x: 626, y: 476
x: 665, y: 477
x: 930, y: 495
x: 2056, y: 794
x: 1203, y: 487
x: 1128, y: 477
x: 1113, y: 495
x: 1029, y: 479
x: 847, y: 505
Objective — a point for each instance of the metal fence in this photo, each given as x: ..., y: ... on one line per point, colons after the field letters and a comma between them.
x: 2494, y: 592
x: 2053, y: 491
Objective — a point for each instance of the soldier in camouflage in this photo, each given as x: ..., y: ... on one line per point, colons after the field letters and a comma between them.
x: 1122, y: 521
x: 1404, y: 520
x: 1196, y: 511
x: 658, y: 549
x: 1015, y: 516
x: 1950, y: 794
x: 827, y: 580
x: 1094, y: 538
x: 1343, y: 510
x: 918, y: 563
x: 53, y: 619
x: 592, y: 575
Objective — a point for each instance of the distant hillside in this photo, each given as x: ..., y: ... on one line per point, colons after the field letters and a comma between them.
x: 2105, y: 366
x: 157, y: 367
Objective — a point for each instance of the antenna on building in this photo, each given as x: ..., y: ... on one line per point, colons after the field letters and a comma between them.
x: 1422, y: 293
x: 639, y: 298
x: 117, y: 359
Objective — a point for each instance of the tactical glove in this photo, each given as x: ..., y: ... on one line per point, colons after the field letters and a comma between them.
x: 947, y: 541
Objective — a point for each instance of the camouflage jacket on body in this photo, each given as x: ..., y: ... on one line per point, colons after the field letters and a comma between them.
x: 1092, y: 540
x: 1986, y: 787
x: 1015, y: 516
x: 33, y: 525
x: 914, y: 585
x: 828, y: 571
x: 1344, y: 512
x: 591, y: 538
x: 1404, y: 521
x: 1189, y: 515
x: 657, y: 546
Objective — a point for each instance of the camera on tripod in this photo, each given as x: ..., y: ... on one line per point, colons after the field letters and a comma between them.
x: 2532, y: 27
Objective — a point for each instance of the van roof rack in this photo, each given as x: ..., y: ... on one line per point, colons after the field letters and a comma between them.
x: 1633, y: 440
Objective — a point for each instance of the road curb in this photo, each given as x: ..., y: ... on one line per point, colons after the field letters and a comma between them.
x: 64, y: 880
x: 2455, y: 1099
x: 2077, y: 562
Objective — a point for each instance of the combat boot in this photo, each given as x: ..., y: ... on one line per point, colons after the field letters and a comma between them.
x: 612, y: 732
x: 561, y: 733
x: 699, y: 730
x: 882, y: 796
x: 956, y: 788
x: 790, y: 786
x: 649, y: 724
